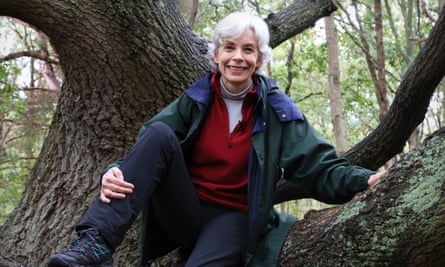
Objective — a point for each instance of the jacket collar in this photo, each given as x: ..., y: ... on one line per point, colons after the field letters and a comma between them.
x: 202, y: 92
x: 281, y: 103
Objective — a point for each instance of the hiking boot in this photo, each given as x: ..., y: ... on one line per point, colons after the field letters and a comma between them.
x: 88, y: 250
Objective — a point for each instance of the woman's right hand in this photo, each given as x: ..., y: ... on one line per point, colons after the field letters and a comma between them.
x: 114, y: 186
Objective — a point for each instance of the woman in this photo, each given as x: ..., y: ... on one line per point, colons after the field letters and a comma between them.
x: 204, y: 169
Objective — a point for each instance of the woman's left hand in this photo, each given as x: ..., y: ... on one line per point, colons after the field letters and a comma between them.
x: 375, y: 177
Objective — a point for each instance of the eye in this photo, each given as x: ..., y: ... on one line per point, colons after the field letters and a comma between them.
x: 249, y: 49
x: 228, y: 47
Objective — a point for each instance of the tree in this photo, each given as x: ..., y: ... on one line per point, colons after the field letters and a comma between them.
x: 397, y: 223
x: 25, y: 107
x: 122, y: 62
x: 376, y: 64
x: 421, y: 78
x: 335, y: 98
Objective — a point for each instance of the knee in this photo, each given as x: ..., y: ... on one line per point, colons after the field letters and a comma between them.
x: 158, y: 131
x: 160, y: 128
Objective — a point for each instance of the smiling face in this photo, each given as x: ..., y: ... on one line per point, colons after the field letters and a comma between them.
x: 237, y: 59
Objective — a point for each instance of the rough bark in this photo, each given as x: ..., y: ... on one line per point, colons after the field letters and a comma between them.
x: 122, y: 62
x: 295, y: 18
x: 118, y: 63
x: 398, y: 222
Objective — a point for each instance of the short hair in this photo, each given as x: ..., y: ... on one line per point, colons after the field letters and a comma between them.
x: 233, y: 26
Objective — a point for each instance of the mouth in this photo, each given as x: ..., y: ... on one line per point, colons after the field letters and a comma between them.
x: 236, y: 68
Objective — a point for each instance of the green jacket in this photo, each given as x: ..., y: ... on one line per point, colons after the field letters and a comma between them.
x: 284, y: 146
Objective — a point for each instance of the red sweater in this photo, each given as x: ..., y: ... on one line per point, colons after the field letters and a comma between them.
x: 219, y: 162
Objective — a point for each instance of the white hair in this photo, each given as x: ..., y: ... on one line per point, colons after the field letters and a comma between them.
x: 233, y: 26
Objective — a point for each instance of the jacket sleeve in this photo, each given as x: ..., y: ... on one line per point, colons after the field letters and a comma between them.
x: 309, y: 160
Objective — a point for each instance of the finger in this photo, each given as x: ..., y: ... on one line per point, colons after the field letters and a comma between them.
x: 116, y: 177
x: 103, y: 198
x: 118, y: 188
x: 115, y: 184
x: 122, y: 184
x: 373, y: 179
x: 112, y: 174
x: 117, y: 173
x: 113, y: 194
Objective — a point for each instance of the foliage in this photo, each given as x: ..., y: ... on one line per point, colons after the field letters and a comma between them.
x: 308, y: 87
x: 12, y: 108
x: 405, y: 27
x: 28, y: 113
x: 25, y: 113
x: 308, y: 82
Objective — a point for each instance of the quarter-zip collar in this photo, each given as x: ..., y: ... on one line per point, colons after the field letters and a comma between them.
x: 286, y: 110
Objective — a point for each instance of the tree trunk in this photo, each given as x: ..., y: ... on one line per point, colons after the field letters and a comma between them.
x: 443, y: 101
x: 289, y: 65
x: 122, y: 61
x: 442, y: 5
x: 189, y: 10
x: 118, y: 60
x: 380, y: 83
x: 398, y: 222
x: 335, y: 98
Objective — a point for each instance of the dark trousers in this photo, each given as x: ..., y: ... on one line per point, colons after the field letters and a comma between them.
x: 156, y: 167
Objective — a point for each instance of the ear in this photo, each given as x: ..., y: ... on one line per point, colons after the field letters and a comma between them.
x: 215, y: 57
x: 259, y: 62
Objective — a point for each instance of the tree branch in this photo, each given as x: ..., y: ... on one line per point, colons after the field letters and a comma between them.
x: 296, y: 18
x: 39, y: 89
x: 412, y: 100
x: 32, y: 54
x: 427, y: 11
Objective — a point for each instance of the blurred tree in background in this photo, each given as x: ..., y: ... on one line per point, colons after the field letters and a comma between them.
x: 29, y: 89
x: 121, y: 70
x: 30, y: 79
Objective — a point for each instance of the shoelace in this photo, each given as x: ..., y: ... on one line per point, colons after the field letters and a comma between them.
x: 88, y: 240
x: 77, y: 246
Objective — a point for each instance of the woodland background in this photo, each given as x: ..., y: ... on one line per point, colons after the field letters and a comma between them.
x: 30, y: 78
x: 342, y: 73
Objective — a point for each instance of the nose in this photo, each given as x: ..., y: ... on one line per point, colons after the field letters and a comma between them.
x: 238, y: 54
